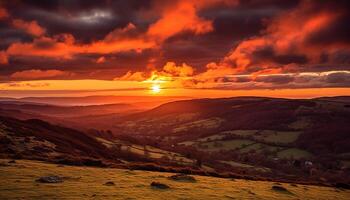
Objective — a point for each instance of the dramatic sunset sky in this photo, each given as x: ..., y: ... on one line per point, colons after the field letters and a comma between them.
x: 199, y: 48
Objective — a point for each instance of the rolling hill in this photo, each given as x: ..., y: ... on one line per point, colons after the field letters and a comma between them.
x: 289, y: 135
x: 284, y: 139
x: 36, y: 139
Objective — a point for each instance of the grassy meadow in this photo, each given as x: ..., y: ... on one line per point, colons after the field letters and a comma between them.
x: 17, y: 181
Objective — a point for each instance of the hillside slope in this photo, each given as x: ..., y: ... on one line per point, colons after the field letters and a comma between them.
x: 296, y: 136
x: 38, y: 139
x: 90, y: 183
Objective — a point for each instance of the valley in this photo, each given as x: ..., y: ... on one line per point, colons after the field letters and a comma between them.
x: 301, y: 141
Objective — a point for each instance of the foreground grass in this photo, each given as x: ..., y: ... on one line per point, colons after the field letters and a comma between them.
x: 17, y: 181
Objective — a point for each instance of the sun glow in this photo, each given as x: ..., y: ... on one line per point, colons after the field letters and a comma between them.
x: 155, y: 88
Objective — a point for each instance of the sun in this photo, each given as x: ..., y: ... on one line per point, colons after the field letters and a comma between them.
x: 155, y: 88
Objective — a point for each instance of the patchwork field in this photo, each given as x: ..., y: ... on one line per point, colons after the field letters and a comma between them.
x: 224, y: 145
x: 259, y: 141
x: 148, y: 151
x: 17, y: 181
x: 211, y: 123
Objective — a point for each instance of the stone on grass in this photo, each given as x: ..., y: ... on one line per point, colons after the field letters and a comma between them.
x: 279, y: 188
x: 50, y: 179
x: 109, y: 183
x: 182, y: 177
x: 159, y: 185
x: 342, y: 186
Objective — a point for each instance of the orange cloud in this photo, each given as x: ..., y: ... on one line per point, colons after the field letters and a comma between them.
x: 130, y: 76
x: 101, y: 59
x: 32, y: 27
x: 39, y: 74
x: 175, y: 18
x: 179, y: 19
x: 65, y: 46
x: 285, y: 40
x: 240, y: 57
x: 181, y: 16
x: 169, y: 71
x: 178, y: 71
x: 45, y: 47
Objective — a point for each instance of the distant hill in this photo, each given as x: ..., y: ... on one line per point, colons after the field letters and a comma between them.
x: 66, y: 111
x: 250, y: 131
x: 141, y: 101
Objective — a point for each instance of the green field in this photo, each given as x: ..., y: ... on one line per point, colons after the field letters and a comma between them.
x: 210, y: 123
x: 148, y: 151
x: 224, y: 145
x: 294, y: 153
x: 264, y: 136
x: 17, y: 181
x: 283, y: 137
x: 242, y: 165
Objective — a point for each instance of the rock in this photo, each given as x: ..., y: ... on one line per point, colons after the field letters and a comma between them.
x: 12, y: 162
x: 159, y: 185
x: 50, y: 179
x: 182, y: 177
x: 250, y: 192
x: 109, y: 183
x: 278, y: 188
x: 342, y: 186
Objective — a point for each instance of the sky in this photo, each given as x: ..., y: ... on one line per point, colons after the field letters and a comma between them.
x: 199, y: 48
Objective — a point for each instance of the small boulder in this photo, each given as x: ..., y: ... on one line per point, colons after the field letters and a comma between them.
x: 182, y: 177
x: 50, y: 179
x: 159, y: 185
x: 109, y: 183
x: 342, y: 186
x: 279, y: 188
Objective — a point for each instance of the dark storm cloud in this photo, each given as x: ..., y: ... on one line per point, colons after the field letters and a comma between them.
x: 339, y: 77
x: 86, y: 20
x: 275, y: 79
x: 268, y: 54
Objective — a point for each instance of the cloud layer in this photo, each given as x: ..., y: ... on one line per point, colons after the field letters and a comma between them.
x: 223, y: 44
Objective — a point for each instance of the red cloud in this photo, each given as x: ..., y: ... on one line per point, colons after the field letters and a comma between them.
x: 175, y: 18
x: 101, y: 59
x: 3, y: 58
x: 286, y: 41
x: 3, y: 13
x: 32, y: 27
